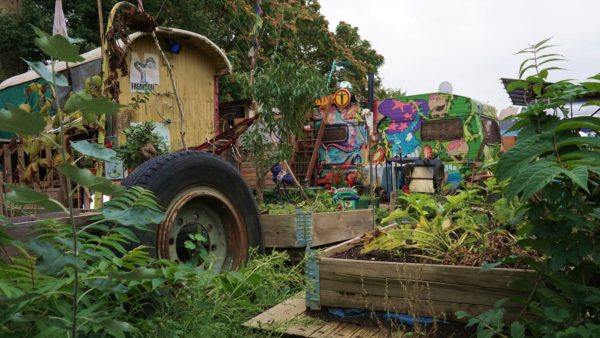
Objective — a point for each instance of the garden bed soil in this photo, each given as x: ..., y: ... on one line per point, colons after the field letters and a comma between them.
x: 465, y: 258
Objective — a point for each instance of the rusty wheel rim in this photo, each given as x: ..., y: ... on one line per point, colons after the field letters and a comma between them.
x: 208, y: 212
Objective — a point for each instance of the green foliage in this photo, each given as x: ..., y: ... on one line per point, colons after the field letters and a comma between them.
x: 455, y: 229
x: 295, y: 29
x: 136, y: 207
x: 94, y: 150
x: 114, y: 281
x: 139, y: 136
x: 218, y: 305
x: 16, y: 120
x: 554, y: 169
x: 22, y: 195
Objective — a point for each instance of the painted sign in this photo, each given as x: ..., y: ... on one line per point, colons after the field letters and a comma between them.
x: 144, y: 72
x: 342, y: 98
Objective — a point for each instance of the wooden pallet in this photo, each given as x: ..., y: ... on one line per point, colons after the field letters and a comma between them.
x: 291, y: 318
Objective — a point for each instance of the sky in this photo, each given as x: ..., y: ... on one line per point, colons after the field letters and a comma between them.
x: 470, y: 43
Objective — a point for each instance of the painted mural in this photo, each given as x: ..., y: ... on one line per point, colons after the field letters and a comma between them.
x: 346, y: 148
x: 452, y: 128
x: 441, y: 126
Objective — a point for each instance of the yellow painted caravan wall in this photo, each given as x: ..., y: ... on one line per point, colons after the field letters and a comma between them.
x: 194, y: 72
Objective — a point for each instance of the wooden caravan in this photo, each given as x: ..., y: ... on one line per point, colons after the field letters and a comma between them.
x: 197, y: 63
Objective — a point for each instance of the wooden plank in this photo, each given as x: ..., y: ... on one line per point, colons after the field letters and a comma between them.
x: 452, y: 274
x: 279, y: 231
x: 417, y: 290
x: 334, y: 227
x: 282, y: 312
x: 291, y: 317
x: 438, y: 309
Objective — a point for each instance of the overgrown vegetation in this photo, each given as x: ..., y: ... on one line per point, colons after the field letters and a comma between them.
x: 554, y: 170
x: 463, y: 229
x: 95, y: 280
x: 142, y: 143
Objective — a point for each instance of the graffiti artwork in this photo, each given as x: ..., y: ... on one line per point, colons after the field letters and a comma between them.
x: 452, y: 128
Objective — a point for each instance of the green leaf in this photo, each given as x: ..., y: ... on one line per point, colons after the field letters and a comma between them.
x: 16, y: 120
x: 85, y: 178
x: 116, y: 327
x: 579, y: 122
x: 50, y: 260
x: 541, y: 43
x: 139, y: 274
x: 41, y: 69
x: 89, y: 106
x: 552, y: 297
x: 555, y: 314
x: 538, y: 179
x: 136, y: 206
x: 94, y: 150
x: 57, y: 46
x: 23, y: 195
x: 517, y: 85
x: 489, y: 266
x: 522, y: 153
x: 579, y: 176
x: 517, y: 330
x: 592, y: 86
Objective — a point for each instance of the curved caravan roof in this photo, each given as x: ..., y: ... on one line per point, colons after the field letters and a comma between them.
x: 221, y: 62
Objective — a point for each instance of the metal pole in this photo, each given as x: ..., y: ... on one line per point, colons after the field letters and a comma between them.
x: 371, y: 103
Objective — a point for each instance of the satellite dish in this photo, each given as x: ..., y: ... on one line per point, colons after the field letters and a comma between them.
x: 345, y: 85
x: 445, y: 87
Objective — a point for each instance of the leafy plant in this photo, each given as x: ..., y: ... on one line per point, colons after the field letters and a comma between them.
x: 554, y: 170
x: 112, y: 280
x: 453, y: 229
x: 284, y: 92
x: 69, y: 280
x: 142, y: 144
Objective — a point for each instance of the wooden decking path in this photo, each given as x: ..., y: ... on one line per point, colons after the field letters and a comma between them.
x: 291, y: 318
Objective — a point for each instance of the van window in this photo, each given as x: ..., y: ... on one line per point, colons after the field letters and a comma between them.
x: 441, y: 130
x: 335, y: 133
x: 491, y: 131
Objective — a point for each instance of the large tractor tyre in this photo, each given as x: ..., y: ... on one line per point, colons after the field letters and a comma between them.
x: 202, y: 194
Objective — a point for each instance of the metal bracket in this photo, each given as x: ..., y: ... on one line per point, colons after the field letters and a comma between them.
x: 303, y: 228
x: 311, y: 273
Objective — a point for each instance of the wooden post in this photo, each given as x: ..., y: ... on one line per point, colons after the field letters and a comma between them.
x: 177, y: 97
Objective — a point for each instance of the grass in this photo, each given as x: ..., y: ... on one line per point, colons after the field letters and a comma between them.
x: 218, y: 305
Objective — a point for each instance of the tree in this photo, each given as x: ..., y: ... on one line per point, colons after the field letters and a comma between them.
x: 292, y: 28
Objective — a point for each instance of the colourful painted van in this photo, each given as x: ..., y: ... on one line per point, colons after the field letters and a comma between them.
x: 454, y: 129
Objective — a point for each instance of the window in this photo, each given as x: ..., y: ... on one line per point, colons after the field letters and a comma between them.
x: 441, y: 130
x: 491, y: 131
x: 335, y: 133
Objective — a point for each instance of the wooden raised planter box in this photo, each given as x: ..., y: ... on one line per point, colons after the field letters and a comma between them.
x: 412, y: 288
x: 286, y: 231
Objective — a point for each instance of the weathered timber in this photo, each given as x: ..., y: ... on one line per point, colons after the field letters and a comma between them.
x: 280, y: 231
x: 414, y: 288
x: 291, y: 318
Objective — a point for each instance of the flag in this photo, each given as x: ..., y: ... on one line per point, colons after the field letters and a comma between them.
x: 60, y: 23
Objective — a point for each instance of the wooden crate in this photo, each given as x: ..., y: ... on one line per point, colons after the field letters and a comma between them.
x: 283, y: 231
x: 416, y: 289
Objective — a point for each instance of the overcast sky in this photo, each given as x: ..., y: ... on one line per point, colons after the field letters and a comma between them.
x: 470, y: 43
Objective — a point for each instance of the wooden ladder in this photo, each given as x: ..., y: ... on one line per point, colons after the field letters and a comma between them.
x: 306, y: 152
